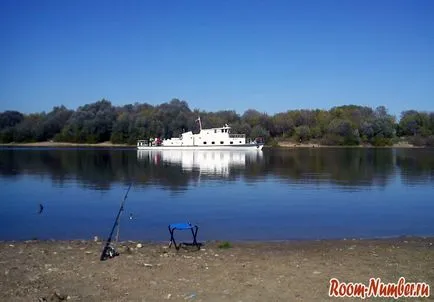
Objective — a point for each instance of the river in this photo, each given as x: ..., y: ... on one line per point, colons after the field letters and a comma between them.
x: 276, y: 194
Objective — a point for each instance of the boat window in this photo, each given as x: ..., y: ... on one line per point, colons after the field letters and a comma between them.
x: 232, y: 143
x: 240, y: 142
x: 221, y: 143
x: 204, y: 143
x: 215, y: 131
x: 213, y: 143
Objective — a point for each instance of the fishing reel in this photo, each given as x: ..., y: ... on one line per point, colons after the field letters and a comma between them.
x: 109, y: 253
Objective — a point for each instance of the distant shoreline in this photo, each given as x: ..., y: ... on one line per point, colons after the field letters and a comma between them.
x: 403, y: 145
x: 66, y: 145
x: 282, y: 145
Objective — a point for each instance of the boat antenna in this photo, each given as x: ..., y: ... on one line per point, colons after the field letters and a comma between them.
x: 109, y: 251
x: 200, y: 123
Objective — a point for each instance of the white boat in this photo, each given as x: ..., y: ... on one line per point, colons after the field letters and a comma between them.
x: 207, y: 139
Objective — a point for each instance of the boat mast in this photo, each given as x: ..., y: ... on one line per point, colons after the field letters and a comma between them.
x: 200, y: 123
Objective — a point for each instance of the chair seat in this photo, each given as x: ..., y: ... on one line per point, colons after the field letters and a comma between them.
x: 181, y: 226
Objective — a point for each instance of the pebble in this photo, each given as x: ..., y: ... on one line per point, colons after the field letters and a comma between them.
x: 168, y: 296
x: 95, y: 238
x: 139, y: 245
x: 147, y: 265
x: 192, y: 296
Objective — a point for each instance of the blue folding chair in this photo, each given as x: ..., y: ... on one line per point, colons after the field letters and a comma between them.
x: 181, y: 227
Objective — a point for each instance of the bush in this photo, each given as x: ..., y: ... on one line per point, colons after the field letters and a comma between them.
x: 332, y: 140
x: 273, y: 142
x: 381, y: 141
x: 417, y: 140
x: 430, y: 141
x: 225, y: 245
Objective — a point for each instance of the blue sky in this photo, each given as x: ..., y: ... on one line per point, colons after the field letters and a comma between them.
x: 268, y: 55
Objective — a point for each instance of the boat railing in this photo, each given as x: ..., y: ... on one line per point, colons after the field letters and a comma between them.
x: 143, y: 142
x: 237, y: 135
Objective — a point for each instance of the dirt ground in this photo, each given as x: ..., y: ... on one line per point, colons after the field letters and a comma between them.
x: 255, y: 271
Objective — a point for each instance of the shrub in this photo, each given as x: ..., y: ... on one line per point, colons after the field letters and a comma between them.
x: 417, y: 140
x: 225, y: 245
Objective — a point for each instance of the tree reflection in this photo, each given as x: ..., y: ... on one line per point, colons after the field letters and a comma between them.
x: 100, y: 169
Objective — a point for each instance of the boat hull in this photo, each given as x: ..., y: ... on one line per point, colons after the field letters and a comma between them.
x: 253, y: 147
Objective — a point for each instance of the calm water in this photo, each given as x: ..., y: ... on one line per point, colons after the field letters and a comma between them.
x: 272, y: 195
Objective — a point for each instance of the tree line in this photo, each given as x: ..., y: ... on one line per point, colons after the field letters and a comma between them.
x: 101, y: 122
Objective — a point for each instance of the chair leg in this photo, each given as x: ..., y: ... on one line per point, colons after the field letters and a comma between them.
x: 194, y: 233
x: 172, y: 238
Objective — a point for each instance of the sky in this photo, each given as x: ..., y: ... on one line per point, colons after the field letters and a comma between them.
x: 271, y: 56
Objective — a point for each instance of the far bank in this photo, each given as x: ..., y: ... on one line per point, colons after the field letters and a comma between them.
x: 283, y: 144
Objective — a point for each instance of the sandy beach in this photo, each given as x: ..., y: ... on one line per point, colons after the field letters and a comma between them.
x: 245, y: 271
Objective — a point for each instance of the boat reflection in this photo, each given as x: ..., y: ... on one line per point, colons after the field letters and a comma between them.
x: 209, y: 162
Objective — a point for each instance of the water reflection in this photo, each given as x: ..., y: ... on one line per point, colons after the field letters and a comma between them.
x: 177, y: 170
x: 206, y: 162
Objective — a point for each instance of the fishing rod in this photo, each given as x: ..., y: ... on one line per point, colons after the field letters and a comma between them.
x: 109, y: 251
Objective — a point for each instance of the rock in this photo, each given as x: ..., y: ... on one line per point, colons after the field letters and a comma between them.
x: 147, y: 265
x: 139, y: 245
x: 95, y: 238
x: 168, y: 296
x: 316, y: 273
x: 216, y: 255
x: 190, y: 297
x: 58, y: 297
x: 152, y: 282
